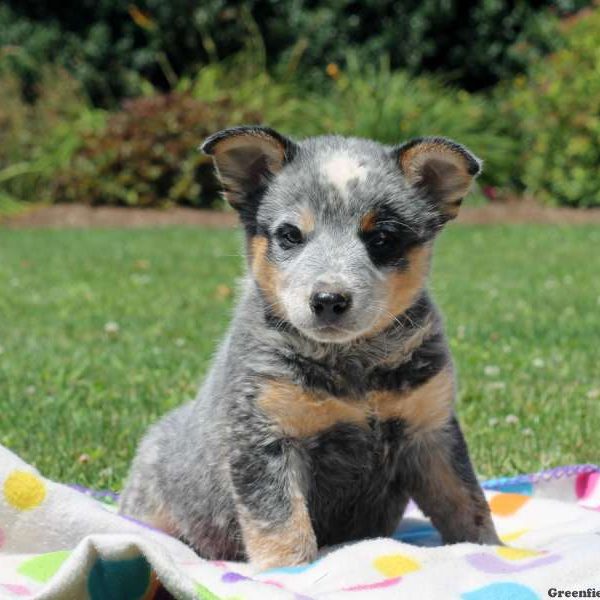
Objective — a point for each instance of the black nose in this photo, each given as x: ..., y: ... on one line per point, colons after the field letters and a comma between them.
x: 328, y: 306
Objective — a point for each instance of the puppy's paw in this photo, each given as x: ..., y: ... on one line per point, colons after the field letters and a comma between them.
x: 283, y: 549
x: 459, y: 532
x: 488, y: 537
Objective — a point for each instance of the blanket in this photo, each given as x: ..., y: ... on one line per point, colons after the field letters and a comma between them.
x: 58, y: 541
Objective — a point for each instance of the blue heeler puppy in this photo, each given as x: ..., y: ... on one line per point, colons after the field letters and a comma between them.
x: 331, y: 400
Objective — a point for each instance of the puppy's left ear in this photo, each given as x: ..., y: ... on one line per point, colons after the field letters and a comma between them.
x: 442, y: 169
x: 246, y: 158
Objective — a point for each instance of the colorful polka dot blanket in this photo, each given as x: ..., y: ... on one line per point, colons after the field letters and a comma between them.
x: 59, y: 541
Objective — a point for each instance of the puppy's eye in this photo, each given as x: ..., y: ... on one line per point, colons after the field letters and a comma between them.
x: 380, y: 240
x: 289, y: 236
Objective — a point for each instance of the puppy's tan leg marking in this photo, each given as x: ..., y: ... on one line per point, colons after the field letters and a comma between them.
x: 300, y: 414
x: 439, y: 473
x: 424, y: 409
x: 290, y: 543
x: 446, y: 489
x: 164, y: 521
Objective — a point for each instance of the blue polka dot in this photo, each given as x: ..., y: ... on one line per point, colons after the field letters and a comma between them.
x: 290, y: 570
x: 518, y: 488
x: 501, y: 591
x: 525, y: 488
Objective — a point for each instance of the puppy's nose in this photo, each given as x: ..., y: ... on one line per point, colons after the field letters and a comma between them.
x: 328, y: 306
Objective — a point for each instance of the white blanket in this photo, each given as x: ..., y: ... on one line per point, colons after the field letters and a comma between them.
x: 57, y: 542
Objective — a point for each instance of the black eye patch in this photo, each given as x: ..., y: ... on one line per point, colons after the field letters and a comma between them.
x: 388, y: 240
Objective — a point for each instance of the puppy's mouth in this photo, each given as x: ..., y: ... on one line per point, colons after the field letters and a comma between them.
x: 331, y: 333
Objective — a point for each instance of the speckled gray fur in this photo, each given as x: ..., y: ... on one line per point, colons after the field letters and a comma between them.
x: 221, y: 456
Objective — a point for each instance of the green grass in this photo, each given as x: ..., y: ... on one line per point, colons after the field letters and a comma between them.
x: 522, y: 306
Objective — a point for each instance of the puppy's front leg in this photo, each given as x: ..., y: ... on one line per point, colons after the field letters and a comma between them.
x: 269, y: 482
x: 441, y: 480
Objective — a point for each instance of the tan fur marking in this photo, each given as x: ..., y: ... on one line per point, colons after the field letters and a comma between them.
x: 274, y: 151
x: 442, y: 481
x: 307, y: 221
x: 300, y: 414
x: 444, y: 476
x: 162, y: 520
x: 414, y: 157
x: 424, y: 409
x: 368, y: 221
x: 265, y: 273
x: 402, y: 287
x: 230, y: 169
x: 290, y: 544
x: 457, y: 508
x: 457, y: 178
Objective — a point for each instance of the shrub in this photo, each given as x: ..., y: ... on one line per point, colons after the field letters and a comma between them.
x: 38, y: 138
x: 366, y: 101
x: 557, y: 108
x: 148, y: 155
x: 390, y: 106
x: 244, y: 83
x: 477, y: 42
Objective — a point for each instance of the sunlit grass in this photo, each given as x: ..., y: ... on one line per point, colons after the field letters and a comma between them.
x: 102, y: 331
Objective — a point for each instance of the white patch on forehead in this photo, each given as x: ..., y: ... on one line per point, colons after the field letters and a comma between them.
x: 341, y: 169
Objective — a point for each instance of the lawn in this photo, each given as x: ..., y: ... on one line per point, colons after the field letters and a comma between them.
x: 103, y: 331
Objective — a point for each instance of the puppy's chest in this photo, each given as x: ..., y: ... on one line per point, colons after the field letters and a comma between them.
x: 349, y: 454
x: 376, y: 418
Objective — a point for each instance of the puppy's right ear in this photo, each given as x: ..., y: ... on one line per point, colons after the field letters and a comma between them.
x: 246, y: 158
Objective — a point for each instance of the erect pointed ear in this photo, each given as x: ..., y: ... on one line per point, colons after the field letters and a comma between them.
x: 246, y: 158
x: 441, y: 168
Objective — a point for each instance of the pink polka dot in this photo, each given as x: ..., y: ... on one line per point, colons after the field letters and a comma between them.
x: 2, y: 538
x: 273, y: 582
x: 15, y: 589
x: 373, y: 586
x: 586, y: 484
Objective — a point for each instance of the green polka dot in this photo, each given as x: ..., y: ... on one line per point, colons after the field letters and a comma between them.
x: 119, y: 579
x: 204, y: 593
x: 43, y: 567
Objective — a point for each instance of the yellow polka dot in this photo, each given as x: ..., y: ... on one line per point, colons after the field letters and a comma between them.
x: 394, y: 565
x: 517, y: 553
x: 513, y: 535
x: 24, y: 490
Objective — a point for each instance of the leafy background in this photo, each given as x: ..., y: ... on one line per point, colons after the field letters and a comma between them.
x: 106, y: 102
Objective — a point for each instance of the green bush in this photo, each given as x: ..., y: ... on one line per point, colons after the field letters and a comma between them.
x: 244, y: 83
x: 148, y: 155
x: 112, y: 47
x: 38, y: 138
x: 367, y: 101
x: 557, y: 111
x: 390, y: 106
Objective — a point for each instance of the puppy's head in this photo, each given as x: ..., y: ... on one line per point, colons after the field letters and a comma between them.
x: 340, y: 229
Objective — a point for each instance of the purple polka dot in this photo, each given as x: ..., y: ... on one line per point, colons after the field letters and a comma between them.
x: 231, y: 577
x: 489, y: 563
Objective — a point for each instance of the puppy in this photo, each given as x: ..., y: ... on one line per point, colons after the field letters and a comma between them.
x: 331, y: 400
